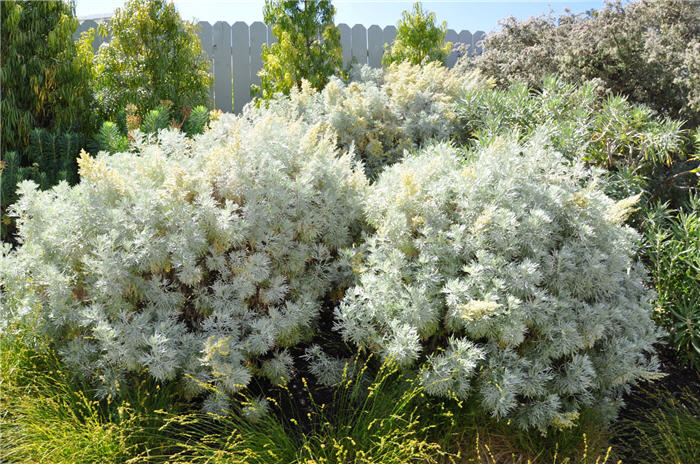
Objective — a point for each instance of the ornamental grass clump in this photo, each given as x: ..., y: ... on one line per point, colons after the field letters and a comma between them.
x: 196, y: 261
x: 509, y: 279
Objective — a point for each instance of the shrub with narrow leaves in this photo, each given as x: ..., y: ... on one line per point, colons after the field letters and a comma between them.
x: 509, y: 278
x: 190, y: 260
x: 45, y: 97
x: 51, y: 158
x: 110, y: 139
x: 673, y: 254
x: 610, y: 132
x: 44, y: 83
x: 382, y: 113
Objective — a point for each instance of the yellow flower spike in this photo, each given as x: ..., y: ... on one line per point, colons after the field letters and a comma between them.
x: 97, y: 172
x: 409, y: 185
x: 468, y: 172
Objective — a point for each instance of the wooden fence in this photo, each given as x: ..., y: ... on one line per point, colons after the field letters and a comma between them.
x: 236, y: 53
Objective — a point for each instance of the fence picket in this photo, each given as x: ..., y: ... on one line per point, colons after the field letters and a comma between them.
x: 345, y: 42
x: 258, y: 36
x: 223, y: 89
x: 86, y: 25
x: 271, y: 36
x: 389, y: 36
x: 359, y: 44
x: 451, y: 36
x: 476, y: 40
x: 241, y: 65
x: 99, y: 40
x: 465, y: 37
x: 375, y: 46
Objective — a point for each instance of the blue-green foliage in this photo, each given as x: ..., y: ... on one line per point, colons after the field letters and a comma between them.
x: 114, y: 137
x: 51, y: 158
x: 110, y: 138
x: 196, y: 121
x: 155, y: 120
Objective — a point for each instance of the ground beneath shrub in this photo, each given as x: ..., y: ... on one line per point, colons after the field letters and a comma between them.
x: 642, y: 400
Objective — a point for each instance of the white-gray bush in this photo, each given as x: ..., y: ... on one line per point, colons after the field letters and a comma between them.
x: 381, y: 113
x: 510, y: 277
x: 198, y: 261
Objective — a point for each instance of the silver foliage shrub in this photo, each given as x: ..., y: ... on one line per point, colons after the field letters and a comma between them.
x: 509, y: 278
x: 197, y: 261
x: 381, y: 113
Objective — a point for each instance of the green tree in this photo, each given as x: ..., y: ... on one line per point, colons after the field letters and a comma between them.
x: 46, y: 97
x: 308, y: 45
x: 43, y: 80
x: 153, y: 56
x: 418, y: 39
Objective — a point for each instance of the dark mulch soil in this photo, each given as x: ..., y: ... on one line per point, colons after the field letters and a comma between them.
x: 679, y: 380
x: 304, y: 396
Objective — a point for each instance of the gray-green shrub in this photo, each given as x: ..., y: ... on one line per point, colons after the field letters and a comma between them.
x: 509, y: 278
x: 647, y: 50
x: 381, y: 113
x: 195, y: 261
